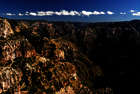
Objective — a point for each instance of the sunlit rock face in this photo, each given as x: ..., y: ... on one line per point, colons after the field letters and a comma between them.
x: 40, y: 57
x: 9, y: 78
x: 10, y: 50
x: 5, y: 28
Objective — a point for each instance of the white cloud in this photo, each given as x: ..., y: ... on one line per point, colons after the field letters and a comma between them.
x: 136, y: 14
x: 73, y: 13
x: 33, y: 14
x: 102, y: 12
x: 132, y: 11
x: 98, y: 13
x: 67, y: 13
x: 123, y: 13
x: 86, y: 13
x: 26, y: 14
x: 20, y: 14
x: 110, y: 12
x: 49, y: 13
x: 41, y: 13
x: 58, y: 13
x: 10, y: 14
x: 63, y: 13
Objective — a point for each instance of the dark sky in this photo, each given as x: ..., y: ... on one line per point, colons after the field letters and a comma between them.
x: 115, y: 6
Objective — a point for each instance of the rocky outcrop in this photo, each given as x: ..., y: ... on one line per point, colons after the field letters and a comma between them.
x: 8, y: 49
x: 64, y: 57
x: 34, y: 59
x: 12, y: 49
x: 5, y: 28
x: 53, y: 71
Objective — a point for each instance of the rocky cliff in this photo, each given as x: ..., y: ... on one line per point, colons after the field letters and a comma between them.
x: 40, y: 57
x: 36, y: 59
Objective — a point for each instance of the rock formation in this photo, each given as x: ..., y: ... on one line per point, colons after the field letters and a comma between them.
x: 40, y: 57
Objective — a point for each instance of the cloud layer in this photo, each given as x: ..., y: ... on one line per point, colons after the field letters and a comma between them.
x: 74, y: 13
x: 132, y: 11
x: 62, y: 13
x: 10, y: 14
x: 136, y: 14
x: 110, y: 12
